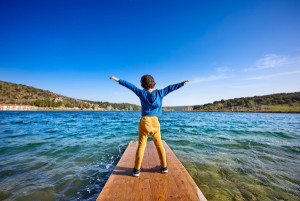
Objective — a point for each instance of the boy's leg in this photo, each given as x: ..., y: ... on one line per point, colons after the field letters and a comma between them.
x: 159, y: 147
x: 143, y: 136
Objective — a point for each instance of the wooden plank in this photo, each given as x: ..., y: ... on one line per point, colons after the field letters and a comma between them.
x: 177, y: 184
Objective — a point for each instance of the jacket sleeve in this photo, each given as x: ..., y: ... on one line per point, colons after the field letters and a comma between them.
x: 130, y: 86
x: 171, y: 88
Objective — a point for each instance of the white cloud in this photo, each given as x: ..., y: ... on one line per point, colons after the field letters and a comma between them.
x: 246, y: 86
x: 207, y: 79
x: 269, y: 61
x: 220, y: 75
x: 223, y: 69
x: 273, y: 75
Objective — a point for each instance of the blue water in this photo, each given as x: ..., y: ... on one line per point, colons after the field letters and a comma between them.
x: 69, y: 155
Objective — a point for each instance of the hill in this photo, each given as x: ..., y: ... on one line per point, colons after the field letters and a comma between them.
x: 11, y: 93
x: 282, y: 102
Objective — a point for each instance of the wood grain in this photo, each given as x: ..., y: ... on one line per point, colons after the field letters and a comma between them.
x: 177, y: 184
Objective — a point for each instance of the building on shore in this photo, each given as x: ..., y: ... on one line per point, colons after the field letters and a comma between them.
x: 189, y: 108
x: 14, y: 107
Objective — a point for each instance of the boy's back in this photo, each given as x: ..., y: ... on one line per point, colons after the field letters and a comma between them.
x: 151, y: 102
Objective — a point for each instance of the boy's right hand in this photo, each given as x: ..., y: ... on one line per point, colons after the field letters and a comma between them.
x: 114, y: 78
x: 184, y: 82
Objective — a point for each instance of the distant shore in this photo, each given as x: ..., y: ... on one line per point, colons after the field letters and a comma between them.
x: 51, y: 109
x: 249, y: 111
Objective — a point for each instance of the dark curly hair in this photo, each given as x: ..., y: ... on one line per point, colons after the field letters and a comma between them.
x: 147, y: 82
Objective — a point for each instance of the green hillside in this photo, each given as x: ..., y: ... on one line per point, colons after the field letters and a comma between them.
x: 11, y: 93
x: 282, y: 102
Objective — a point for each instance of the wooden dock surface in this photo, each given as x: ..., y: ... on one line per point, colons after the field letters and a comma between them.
x: 177, y: 184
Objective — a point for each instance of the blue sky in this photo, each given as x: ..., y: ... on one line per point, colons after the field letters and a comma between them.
x: 227, y: 49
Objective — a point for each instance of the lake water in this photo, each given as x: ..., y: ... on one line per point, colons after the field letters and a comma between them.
x: 69, y: 155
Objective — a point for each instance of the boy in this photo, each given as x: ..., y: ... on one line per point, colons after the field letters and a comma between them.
x: 151, y: 102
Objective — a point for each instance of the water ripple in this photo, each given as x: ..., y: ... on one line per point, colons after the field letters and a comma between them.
x: 70, y: 155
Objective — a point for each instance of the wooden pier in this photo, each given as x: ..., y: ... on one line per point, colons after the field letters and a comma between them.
x: 177, y: 184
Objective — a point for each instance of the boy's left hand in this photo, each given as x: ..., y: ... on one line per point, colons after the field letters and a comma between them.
x: 114, y: 78
x: 184, y: 82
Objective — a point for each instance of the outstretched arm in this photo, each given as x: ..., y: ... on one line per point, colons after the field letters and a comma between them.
x: 173, y: 87
x: 130, y: 86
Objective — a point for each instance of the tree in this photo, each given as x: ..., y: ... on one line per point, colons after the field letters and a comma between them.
x: 220, y: 106
x: 69, y: 105
x: 250, y: 104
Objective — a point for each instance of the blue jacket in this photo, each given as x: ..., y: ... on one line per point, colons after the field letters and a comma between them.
x: 151, y: 102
